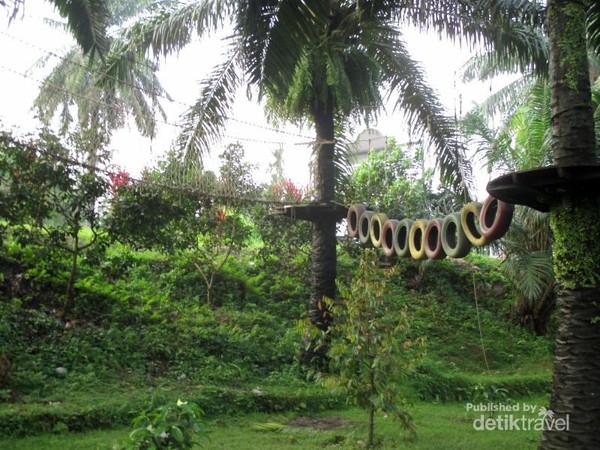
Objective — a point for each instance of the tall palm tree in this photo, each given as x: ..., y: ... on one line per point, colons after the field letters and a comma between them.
x: 71, y: 89
x: 575, y: 218
x: 328, y: 61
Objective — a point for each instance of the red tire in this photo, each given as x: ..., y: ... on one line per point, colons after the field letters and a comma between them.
x: 387, y: 237
x: 495, y: 218
x: 433, y: 240
x: 353, y: 217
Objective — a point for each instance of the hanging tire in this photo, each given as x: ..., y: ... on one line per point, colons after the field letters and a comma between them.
x: 469, y: 220
x: 495, y: 218
x: 401, y: 237
x: 387, y: 237
x: 377, y: 222
x: 364, y: 227
x: 353, y: 217
x: 454, y: 240
x: 433, y: 240
x: 416, y: 239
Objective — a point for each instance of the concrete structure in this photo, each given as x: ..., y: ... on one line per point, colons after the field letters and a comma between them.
x: 368, y: 140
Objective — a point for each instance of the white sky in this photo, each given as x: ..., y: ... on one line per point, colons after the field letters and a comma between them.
x: 28, y: 38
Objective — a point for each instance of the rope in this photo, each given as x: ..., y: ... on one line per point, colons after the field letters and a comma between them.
x: 479, y: 324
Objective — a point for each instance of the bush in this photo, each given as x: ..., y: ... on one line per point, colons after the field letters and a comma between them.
x: 174, y: 425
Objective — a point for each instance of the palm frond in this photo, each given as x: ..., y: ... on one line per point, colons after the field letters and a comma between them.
x: 424, y: 111
x: 254, y: 22
x: 87, y: 20
x: 507, y: 99
x: 533, y: 128
x: 489, y: 65
x: 528, y: 246
x: 342, y: 157
x: 593, y: 26
x: 531, y: 272
x: 204, y: 121
x: 298, y: 27
x: 165, y: 32
x: 510, y: 27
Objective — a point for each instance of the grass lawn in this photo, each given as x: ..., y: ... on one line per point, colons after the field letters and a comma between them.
x: 445, y: 426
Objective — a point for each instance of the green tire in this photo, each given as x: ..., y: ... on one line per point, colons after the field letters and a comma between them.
x: 401, y: 234
x: 454, y: 240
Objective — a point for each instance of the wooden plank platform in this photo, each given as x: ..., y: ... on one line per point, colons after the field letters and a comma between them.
x: 539, y: 188
x: 314, y: 212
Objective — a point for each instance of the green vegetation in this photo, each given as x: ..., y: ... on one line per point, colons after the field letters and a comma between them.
x: 173, y: 425
x: 440, y: 425
x: 373, y: 350
x: 137, y: 332
x: 575, y: 225
x: 143, y: 336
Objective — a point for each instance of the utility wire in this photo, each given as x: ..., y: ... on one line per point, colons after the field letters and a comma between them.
x: 109, y: 106
x: 139, y: 88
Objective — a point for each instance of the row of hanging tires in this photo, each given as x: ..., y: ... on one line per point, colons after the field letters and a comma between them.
x: 477, y: 224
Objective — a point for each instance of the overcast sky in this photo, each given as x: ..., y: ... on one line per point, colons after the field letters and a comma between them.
x: 29, y: 38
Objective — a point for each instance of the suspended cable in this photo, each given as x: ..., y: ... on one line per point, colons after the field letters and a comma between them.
x: 195, y: 191
x: 109, y: 106
x: 141, y: 89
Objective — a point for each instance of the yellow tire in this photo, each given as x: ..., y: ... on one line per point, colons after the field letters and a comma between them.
x: 416, y: 239
x: 469, y: 220
x: 376, y: 228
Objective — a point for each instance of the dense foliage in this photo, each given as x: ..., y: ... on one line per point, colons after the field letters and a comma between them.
x: 138, y: 320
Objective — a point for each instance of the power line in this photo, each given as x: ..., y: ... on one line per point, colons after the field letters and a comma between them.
x: 109, y: 106
x: 139, y: 88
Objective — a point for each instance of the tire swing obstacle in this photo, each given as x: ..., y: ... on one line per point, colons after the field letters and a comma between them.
x: 477, y: 224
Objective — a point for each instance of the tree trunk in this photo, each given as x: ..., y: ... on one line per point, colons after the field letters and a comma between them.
x: 70, y: 294
x: 324, y: 240
x: 576, y: 376
x: 573, y: 140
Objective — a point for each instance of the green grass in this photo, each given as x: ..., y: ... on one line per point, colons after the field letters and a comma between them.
x: 445, y: 426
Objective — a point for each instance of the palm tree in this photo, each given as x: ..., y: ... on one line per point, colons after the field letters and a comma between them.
x: 574, y: 218
x: 521, y: 142
x: 87, y: 21
x: 100, y: 110
x: 328, y: 61
x: 576, y: 375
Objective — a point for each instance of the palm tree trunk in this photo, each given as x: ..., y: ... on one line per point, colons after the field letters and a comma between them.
x: 324, y: 240
x: 573, y: 140
x: 576, y: 376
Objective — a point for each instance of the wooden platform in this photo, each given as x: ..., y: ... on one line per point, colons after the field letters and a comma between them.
x: 314, y: 212
x: 539, y: 188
